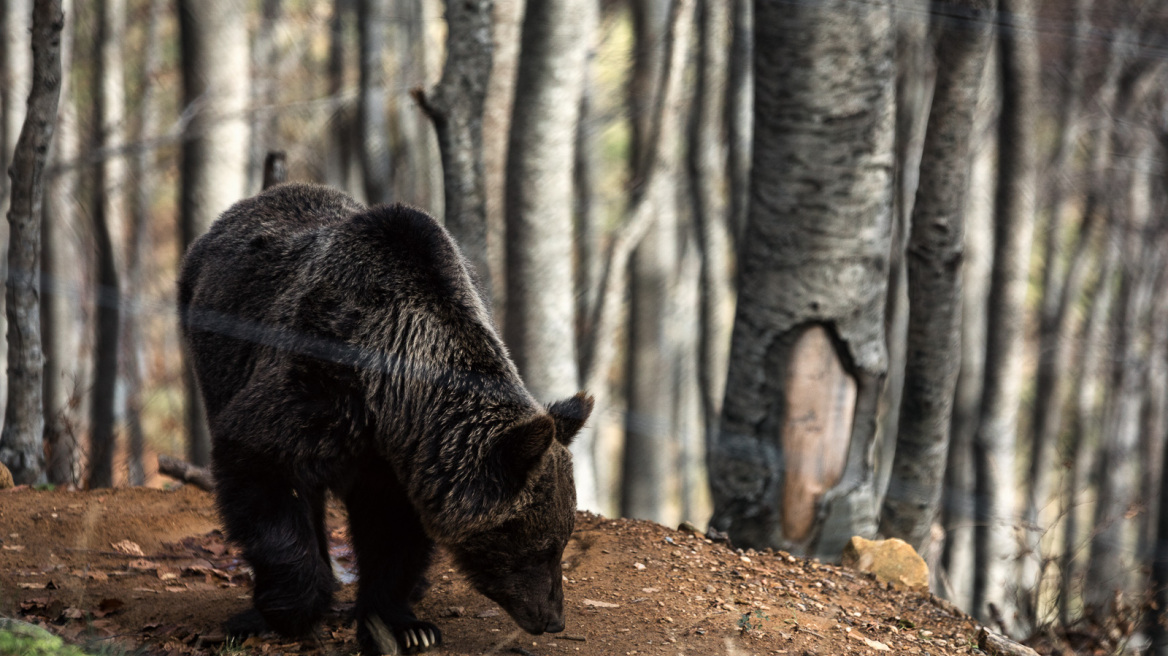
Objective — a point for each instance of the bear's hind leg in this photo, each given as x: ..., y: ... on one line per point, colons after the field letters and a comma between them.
x: 281, y: 530
x: 393, y: 553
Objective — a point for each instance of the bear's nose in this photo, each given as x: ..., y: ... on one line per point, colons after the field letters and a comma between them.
x: 555, y: 625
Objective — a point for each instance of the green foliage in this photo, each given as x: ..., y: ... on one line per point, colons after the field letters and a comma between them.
x: 751, y: 621
x: 22, y: 639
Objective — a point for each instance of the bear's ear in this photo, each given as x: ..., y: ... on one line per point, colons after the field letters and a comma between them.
x: 525, y: 443
x: 570, y: 415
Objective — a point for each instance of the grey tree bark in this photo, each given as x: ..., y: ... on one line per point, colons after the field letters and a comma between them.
x: 708, y: 179
x: 994, y: 444
x: 339, y: 158
x: 20, y: 441
x: 934, y: 259
x: 740, y: 114
x: 138, y: 244
x: 539, y: 326
x: 372, y: 100
x: 915, y: 70
x: 58, y: 297
x: 456, y: 108
x: 214, y: 160
x: 1111, y: 567
x: 497, y: 108
x: 958, y: 501
x: 107, y: 207
x: 792, y: 465
x: 648, y: 480
x: 16, y: 69
x: 265, y: 57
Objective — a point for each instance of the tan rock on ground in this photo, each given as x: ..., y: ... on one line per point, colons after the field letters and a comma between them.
x: 891, y: 560
x: 5, y: 478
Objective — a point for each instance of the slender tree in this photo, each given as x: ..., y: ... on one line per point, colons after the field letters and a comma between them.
x: 791, y: 465
x: 57, y: 305
x: 16, y: 69
x: 935, y: 250
x: 372, y: 100
x: 107, y: 208
x: 740, y: 113
x: 20, y: 442
x: 539, y: 325
x: 456, y: 108
x: 994, y: 444
x: 214, y: 158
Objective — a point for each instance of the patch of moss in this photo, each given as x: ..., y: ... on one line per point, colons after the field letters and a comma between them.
x: 23, y: 639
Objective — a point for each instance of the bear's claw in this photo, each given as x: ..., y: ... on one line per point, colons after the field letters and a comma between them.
x: 412, y: 638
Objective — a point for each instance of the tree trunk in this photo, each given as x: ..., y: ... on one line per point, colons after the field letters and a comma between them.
x: 339, y: 156
x: 497, y: 108
x: 20, y: 441
x: 936, y: 244
x: 109, y: 182
x: 651, y: 448
x: 265, y: 84
x: 57, y: 293
x: 456, y: 108
x: 1158, y: 614
x: 1085, y: 426
x: 137, y: 245
x: 373, y: 100
x: 791, y: 467
x: 708, y: 181
x: 16, y: 69
x: 995, y: 535
x: 214, y: 158
x: 914, y: 88
x: 1111, y: 566
x: 740, y: 115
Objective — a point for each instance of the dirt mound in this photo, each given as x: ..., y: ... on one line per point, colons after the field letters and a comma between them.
x: 148, y: 570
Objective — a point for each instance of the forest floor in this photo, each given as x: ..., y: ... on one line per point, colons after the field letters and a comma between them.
x: 142, y: 571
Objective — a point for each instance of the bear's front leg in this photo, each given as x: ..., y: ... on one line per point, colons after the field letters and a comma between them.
x: 281, y: 530
x: 393, y: 553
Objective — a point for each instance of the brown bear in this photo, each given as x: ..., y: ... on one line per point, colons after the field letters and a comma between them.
x: 348, y: 349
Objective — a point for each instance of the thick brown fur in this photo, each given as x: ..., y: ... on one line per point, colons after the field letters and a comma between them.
x: 348, y: 349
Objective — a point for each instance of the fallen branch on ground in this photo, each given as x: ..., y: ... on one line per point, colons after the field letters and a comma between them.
x: 186, y: 472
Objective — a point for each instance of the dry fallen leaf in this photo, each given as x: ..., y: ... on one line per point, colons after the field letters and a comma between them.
x: 128, y: 547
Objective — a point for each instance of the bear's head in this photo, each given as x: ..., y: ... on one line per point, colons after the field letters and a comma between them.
x: 516, y: 563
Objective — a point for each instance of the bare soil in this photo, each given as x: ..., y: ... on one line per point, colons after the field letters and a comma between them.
x: 148, y: 571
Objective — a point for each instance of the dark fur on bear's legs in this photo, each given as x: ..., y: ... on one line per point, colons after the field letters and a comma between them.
x: 281, y: 530
x: 392, y: 555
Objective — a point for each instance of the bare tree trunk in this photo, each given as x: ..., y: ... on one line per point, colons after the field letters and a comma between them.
x: 650, y: 447
x: 539, y: 327
x: 1086, y: 424
x: 340, y: 121
x: 708, y: 180
x: 265, y: 84
x: 373, y: 99
x: 16, y: 69
x: 1111, y: 566
x: 109, y: 181
x: 995, y: 535
x: 1159, y: 624
x: 456, y: 108
x: 214, y: 159
x: 58, y: 296
x: 740, y: 115
x: 137, y: 245
x: 21, y: 448
x: 497, y: 109
x: 958, y: 501
x: 934, y: 258
x: 914, y: 88
x: 815, y: 230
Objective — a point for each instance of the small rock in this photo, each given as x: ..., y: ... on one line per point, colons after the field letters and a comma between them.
x: 5, y: 478
x: 891, y: 560
x: 639, y: 566
x: 490, y: 612
x: 689, y: 526
x: 453, y: 611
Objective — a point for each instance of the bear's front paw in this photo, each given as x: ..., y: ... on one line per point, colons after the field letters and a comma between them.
x: 411, y: 637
